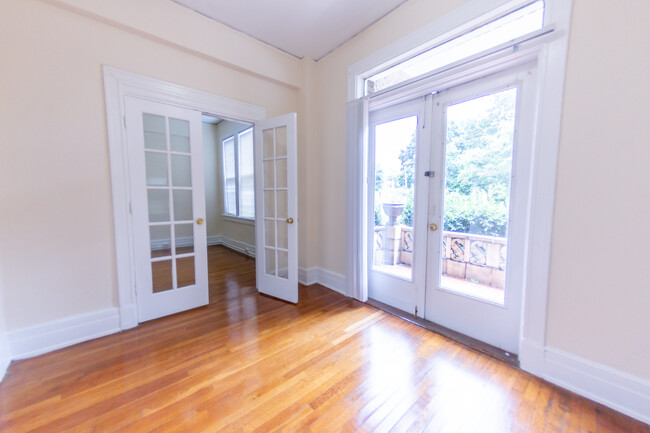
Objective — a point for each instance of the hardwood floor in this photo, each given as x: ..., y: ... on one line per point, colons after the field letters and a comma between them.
x: 249, y: 363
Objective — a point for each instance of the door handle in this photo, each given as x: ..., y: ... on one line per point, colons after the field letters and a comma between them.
x: 433, y: 227
x: 289, y: 220
x: 199, y: 221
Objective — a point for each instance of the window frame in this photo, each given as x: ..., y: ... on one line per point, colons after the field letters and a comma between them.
x: 235, y: 137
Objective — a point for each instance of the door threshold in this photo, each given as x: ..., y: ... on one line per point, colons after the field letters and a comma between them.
x: 473, y: 343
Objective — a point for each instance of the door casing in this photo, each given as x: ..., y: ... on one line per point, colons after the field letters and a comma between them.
x: 119, y: 84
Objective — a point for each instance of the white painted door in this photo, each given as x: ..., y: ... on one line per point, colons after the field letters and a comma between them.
x: 165, y: 151
x: 478, y: 207
x: 397, y: 197
x: 276, y: 207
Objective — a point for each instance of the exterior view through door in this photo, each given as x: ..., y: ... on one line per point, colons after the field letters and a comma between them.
x: 446, y: 203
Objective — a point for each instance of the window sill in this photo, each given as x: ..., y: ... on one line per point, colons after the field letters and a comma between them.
x: 239, y: 220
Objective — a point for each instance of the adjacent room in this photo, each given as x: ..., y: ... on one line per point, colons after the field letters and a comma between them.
x: 394, y: 215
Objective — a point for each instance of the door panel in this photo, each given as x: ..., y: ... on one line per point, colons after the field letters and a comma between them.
x: 167, y: 203
x: 397, y: 206
x: 481, y: 148
x: 277, y: 207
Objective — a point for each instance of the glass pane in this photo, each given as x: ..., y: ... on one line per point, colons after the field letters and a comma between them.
x: 281, y: 165
x: 154, y: 132
x: 518, y: 23
x: 270, y: 261
x: 161, y: 276
x: 281, y: 141
x: 184, y: 237
x: 230, y: 198
x: 246, y: 175
x: 179, y: 135
x: 479, y: 143
x: 269, y: 204
x: 182, y: 205
x: 283, y: 264
x: 267, y: 136
x: 185, y: 272
x: 282, y: 204
x: 269, y: 233
x: 181, y: 170
x: 158, y: 201
x: 156, y: 168
x: 269, y: 174
x: 395, y: 144
x: 161, y: 241
x: 283, y: 236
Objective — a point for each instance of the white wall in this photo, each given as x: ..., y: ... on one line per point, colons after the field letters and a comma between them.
x: 57, y: 257
x: 599, y: 290
x: 218, y: 225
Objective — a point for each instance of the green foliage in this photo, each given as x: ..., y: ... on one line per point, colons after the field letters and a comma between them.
x: 379, y: 216
x: 406, y: 217
x: 476, y: 215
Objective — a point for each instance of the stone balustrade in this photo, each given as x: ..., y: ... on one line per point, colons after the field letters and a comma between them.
x: 477, y: 258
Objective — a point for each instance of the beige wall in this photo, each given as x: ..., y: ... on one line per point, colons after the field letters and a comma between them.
x: 600, y: 290
x: 57, y: 257
x: 599, y: 304
x: 212, y: 155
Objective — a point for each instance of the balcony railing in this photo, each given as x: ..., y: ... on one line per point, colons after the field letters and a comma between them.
x: 475, y: 258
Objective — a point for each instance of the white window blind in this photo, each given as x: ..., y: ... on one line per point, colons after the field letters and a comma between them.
x: 229, y: 177
x: 246, y: 174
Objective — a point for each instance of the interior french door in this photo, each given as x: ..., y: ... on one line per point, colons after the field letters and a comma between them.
x: 165, y: 151
x: 276, y: 207
x: 463, y: 185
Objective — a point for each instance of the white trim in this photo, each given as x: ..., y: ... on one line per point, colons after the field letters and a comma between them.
x: 49, y: 336
x: 329, y: 279
x: 5, y: 355
x: 618, y: 390
x: 235, y: 245
x: 117, y: 85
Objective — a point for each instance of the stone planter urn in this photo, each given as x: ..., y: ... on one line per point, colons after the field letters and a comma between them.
x: 393, y: 210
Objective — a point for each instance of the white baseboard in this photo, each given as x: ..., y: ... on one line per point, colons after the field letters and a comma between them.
x: 128, y: 316
x: 233, y: 244
x: 329, y: 279
x: 621, y: 391
x: 39, y: 339
x: 5, y: 355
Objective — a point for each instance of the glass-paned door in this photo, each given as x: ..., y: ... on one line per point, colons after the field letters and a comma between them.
x: 276, y: 207
x: 397, y: 206
x: 475, y: 244
x: 167, y: 205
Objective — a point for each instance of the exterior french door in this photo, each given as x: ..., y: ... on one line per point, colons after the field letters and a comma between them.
x: 165, y: 150
x: 448, y: 205
x: 276, y: 207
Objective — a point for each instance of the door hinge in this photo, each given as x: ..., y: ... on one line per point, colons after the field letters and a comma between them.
x: 124, y: 120
x: 416, y: 310
x: 429, y: 173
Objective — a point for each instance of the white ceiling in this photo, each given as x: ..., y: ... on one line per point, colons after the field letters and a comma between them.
x: 303, y: 28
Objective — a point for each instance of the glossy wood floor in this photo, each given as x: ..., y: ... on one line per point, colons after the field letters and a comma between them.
x: 248, y: 363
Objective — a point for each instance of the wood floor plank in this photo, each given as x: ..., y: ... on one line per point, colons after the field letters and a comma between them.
x: 250, y: 363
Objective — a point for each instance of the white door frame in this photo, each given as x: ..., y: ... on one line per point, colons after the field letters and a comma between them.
x: 550, y: 54
x: 117, y: 85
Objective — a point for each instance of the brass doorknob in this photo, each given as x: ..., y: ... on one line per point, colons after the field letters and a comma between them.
x: 289, y: 220
x: 433, y: 227
x: 199, y: 221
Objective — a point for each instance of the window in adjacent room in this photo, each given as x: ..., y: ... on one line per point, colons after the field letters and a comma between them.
x: 238, y: 175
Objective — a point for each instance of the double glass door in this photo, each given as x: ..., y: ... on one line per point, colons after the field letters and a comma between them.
x: 447, y: 198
